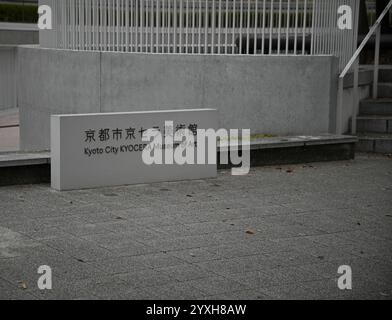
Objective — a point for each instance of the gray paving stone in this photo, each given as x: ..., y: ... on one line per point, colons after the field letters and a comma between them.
x: 176, y: 291
x: 146, y: 278
x: 216, y: 285
x: 78, y: 248
x: 118, y: 265
x: 240, y: 295
x: 185, y: 272
x: 196, y: 255
x: 271, y: 234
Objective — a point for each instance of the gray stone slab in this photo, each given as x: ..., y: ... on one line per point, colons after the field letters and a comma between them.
x: 302, y: 228
x: 23, y: 159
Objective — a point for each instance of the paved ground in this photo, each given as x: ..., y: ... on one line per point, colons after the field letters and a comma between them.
x: 276, y: 233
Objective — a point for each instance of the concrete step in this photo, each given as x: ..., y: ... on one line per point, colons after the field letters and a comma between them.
x: 298, y: 149
x: 24, y: 168
x: 374, y: 124
x: 385, y: 90
x: 375, y: 143
x: 28, y: 168
x: 376, y: 107
x: 385, y: 75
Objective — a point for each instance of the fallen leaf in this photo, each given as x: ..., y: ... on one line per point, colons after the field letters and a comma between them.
x: 23, y: 285
x: 251, y: 232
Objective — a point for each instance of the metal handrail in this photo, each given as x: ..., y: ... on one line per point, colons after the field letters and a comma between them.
x: 375, y: 29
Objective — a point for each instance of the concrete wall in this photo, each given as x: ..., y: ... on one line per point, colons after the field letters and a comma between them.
x: 271, y: 95
x: 18, y: 33
x: 365, y: 82
x: 348, y: 100
x: 7, y: 77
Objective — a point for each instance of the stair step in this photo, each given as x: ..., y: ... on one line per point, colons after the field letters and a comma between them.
x: 376, y: 107
x: 374, y: 124
x: 385, y: 90
x: 375, y: 143
x: 385, y: 75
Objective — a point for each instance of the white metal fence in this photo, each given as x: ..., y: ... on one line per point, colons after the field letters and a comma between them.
x: 202, y: 26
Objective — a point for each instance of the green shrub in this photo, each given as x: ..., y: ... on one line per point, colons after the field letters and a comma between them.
x: 18, y: 13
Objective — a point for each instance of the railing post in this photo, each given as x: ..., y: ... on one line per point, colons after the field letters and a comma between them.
x: 376, y: 62
x: 339, y: 107
x: 355, y: 98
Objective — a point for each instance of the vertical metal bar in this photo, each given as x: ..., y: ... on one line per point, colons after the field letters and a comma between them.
x: 113, y: 25
x: 263, y: 29
x: 64, y: 24
x: 199, y: 27
x: 296, y: 26
x: 213, y: 27
x: 313, y: 28
x: 255, y: 27
x: 162, y: 25
x: 158, y: 29
x: 355, y: 99
x: 337, y: 42
x: 101, y: 25
x: 146, y: 28
x: 226, y: 25
x: 331, y: 28
x: 206, y: 21
x: 248, y: 28
x: 241, y: 23
x: 304, y: 27
x: 73, y: 23
x: 234, y: 20
x: 127, y: 25
x: 193, y: 25
x: 132, y: 29
x: 376, y: 62
x: 107, y: 24
x: 279, y: 24
x: 287, y: 26
x: 168, y: 19
x: 355, y: 29
x: 187, y: 27
x: 175, y: 28
x: 181, y: 23
x: 316, y: 26
x: 137, y: 17
x: 141, y: 25
x: 271, y: 26
x: 219, y: 25
x: 151, y: 49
